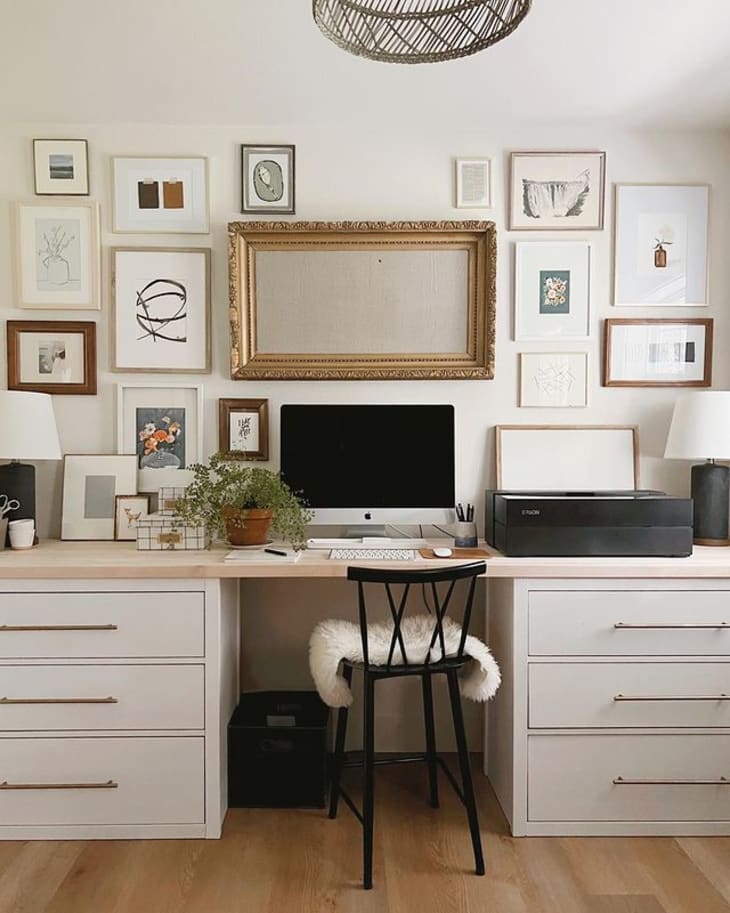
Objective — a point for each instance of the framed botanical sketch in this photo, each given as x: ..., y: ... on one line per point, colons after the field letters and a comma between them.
x: 243, y: 428
x: 557, y: 191
x: 167, y: 195
x: 128, y: 511
x: 161, y: 310
x: 58, y: 255
x: 267, y: 178
x: 473, y: 183
x: 52, y: 356
x: 552, y: 290
x: 163, y: 426
x: 91, y: 482
x: 658, y: 353
x: 553, y: 379
x: 61, y: 166
x: 661, y: 245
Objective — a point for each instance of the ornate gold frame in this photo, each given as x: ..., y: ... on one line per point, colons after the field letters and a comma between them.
x: 476, y: 363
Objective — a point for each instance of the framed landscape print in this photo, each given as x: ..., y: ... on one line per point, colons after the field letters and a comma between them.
x: 163, y: 427
x: 52, y: 356
x: 243, y: 428
x: 128, y: 511
x: 557, y: 191
x: 552, y: 290
x: 661, y: 245
x: 61, y: 166
x: 267, y: 178
x: 168, y: 195
x: 658, y: 353
x: 553, y: 379
x: 473, y: 184
x: 91, y: 482
x: 161, y: 310
x: 58, y: 255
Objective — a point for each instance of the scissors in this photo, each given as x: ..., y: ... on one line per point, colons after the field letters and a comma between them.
x: 8, y: 504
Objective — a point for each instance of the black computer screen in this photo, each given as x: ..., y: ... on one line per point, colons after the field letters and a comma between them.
x: 369, y: 456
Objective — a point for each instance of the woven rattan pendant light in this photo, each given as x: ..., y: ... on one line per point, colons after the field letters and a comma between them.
x: 417, y: 31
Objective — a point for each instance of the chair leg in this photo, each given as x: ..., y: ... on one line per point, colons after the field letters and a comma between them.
x: 467, y: 785
x: 368, y: 809
x: 433, y: 787
x: 339, y: 753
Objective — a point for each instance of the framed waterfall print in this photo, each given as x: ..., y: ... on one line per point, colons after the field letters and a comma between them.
x: 267, y: 179
x: 167, y: 195
x: 61, y: 166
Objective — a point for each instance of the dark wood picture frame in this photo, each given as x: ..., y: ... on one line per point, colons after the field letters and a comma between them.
x: 86, y: 328
x: 226, y: 408
x: 610, y: 323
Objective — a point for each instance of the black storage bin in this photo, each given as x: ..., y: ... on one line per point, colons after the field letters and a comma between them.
x: 277, y: 751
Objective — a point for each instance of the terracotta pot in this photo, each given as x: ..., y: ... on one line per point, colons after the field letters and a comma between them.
x: 249, y: 526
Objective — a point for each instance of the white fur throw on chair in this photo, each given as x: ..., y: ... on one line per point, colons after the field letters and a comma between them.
x: 336, y: 639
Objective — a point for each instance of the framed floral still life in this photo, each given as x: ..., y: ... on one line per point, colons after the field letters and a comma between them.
x: 661, y: 245
x: 61, y: 166
x: 243, y: 428
x: 52, y: 356
x: 267, y: 179
x: 557, y: 191
x: 168, y: 195
x: 658, y: 353
x: 91, y: 482
x: 162, y: 426
x: 161, y: 310
x: 58, y: 255
x: 553, y: 379
x: 128, y: 511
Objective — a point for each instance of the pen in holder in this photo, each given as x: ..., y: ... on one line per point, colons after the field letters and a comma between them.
x: 465, y: 534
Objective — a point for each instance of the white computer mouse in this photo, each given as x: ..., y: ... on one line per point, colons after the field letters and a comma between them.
x: 442, y: 552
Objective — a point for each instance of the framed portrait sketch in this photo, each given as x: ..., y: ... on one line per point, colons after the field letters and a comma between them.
x: 61, y: 166
x: 661, y: 245
x: 267, y: 178
x: 52, y: 356
x: 167, y: 195
x: 658, y: 353
x: 91, y: 483
x: 163, y: 427
x: 554, y: 379
x: 128, y: 511
x: 473, y: 183
x: 557, y: 191
x: 161, y: 310
x: 243, y: 428
x: 58, y: 255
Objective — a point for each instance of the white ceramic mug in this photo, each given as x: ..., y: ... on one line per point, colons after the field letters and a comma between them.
x: 22, y: 533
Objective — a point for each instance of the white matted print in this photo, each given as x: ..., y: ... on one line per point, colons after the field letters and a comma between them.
x: 160, y: 195
x: 60, y: 166
x: 129, y: 510
x: 658, y: 353
x: 473, y: 183
x: 91, y: 483
x: 557, y: 191
x: 661, y: 245
x: 163, y: 426
x: 58, y: 255
x: 161, y: 310
x: 267, y: 178
x: 553, y: 379
x: 552, y: 290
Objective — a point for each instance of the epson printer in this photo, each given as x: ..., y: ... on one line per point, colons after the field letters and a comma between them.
x: 600, y: 523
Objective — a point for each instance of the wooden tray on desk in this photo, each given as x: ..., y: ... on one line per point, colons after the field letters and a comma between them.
x: 458, y: 554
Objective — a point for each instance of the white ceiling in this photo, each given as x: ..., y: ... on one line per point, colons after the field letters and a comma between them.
x: 631, y: 62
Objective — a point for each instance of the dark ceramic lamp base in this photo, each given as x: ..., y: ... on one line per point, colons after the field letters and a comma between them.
x: 711, y: 497
x: 17, y: 481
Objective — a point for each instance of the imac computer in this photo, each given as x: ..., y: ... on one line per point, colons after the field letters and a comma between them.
x: 371, y: 465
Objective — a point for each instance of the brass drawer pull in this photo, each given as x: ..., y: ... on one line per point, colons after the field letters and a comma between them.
x: 671, y: 697
x: 673, y: 781
x: 109, y: 784
x: 58, y: 700
x: 170, y: 538
x: 58, y: 628
x: 718, y: 625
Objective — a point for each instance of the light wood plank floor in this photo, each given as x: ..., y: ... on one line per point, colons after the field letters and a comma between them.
x: 300, y: 862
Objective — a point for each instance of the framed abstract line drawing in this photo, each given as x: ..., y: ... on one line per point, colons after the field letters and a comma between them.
x: 553, y: 379
x: 243, y: 428
x: 91, y: 482
x: 557, y: 191
x: 168, y: 195
x: 658, y: 353
x: 58, y: 255
x: 661, y: 245
x: 61, y: 166
x: 161, y: 310
x: 267, y: 178
x: 52, y: 356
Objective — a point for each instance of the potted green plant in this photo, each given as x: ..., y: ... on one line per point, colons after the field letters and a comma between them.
x: 242, y: 503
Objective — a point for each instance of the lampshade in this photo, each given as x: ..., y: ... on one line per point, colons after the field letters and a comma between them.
x: 28, y: 427
x: 700, y: 428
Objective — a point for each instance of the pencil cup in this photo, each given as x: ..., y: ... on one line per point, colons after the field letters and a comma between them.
x: 465, y: 535
x: 22, y: 533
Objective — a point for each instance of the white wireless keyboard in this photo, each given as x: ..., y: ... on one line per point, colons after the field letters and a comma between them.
x: 372, y: 554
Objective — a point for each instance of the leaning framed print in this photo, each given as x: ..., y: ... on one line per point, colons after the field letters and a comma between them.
x: 267, y: 178
x: 58, y: 255
x: 61, y: 166
x: 168, y: 195
x: 52, y: 356
x: 163, y: 426
x: 552, y: 290
x: 557, y: 191
x: 91, y: 482
x: 553, y: 379
x: 243, y: 428
x: 661, y: 245
x: 128, y: 511
x: 657, y: 353
x: 161, y: 310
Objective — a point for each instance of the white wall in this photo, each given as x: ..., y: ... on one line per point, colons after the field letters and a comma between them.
x: 366, y: 174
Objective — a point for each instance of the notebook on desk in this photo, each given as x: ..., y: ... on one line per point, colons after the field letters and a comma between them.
x: 261, y: 556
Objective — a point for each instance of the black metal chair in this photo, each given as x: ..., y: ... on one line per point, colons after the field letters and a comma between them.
x: 448, y: 665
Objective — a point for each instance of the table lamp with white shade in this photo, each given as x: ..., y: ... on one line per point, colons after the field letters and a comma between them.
x: 700, y: 430
x: 27, y: 432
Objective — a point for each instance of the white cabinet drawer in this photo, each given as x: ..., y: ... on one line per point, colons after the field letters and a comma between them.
x: 71, y: 625
x: 101, y: 697
x: 572, y: 778
x: 625, y: 694
x: 101, y: 781
x: 626, y: 622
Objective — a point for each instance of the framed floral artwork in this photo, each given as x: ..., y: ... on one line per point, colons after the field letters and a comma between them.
x: 91, y: 482
x: 61, y: 166
x: 52, y: 356
x: 129, y: 510
x: 267, y: 178
x: 243, y: 428
x: 166, y: 194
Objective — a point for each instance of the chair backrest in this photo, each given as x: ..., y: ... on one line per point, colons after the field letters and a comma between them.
x: 442, y: 602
